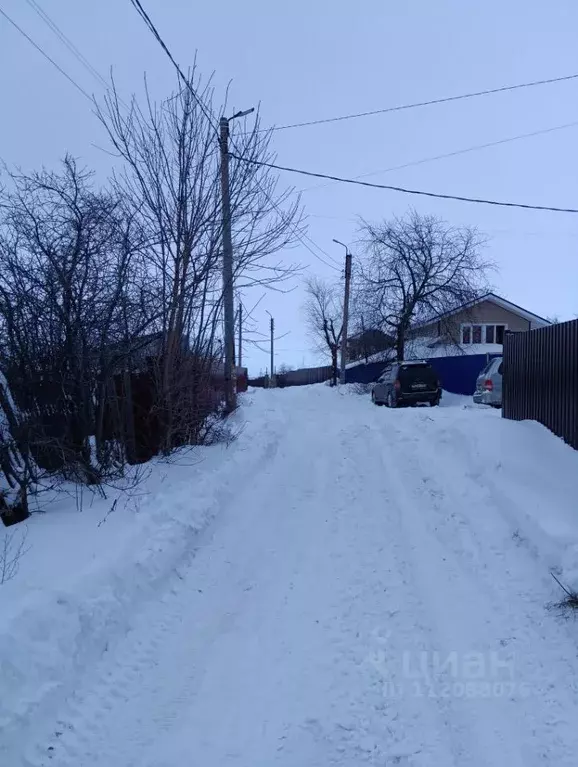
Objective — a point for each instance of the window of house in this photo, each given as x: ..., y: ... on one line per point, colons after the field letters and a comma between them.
x: 479, y: 334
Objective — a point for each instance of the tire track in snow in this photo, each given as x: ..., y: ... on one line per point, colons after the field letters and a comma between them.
x: 479, y: 599
x: 361, y: 727
x: 333, y: 561
x: 86, y: 711
x: 136, y: 670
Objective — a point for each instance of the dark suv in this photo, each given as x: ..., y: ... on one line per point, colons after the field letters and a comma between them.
x: 407, y: 383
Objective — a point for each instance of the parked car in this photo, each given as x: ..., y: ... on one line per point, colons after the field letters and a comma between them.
x: 407, y: 383
x: 489, y: 384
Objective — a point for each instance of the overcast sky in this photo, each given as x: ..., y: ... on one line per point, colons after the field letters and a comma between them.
x: 311, y: 59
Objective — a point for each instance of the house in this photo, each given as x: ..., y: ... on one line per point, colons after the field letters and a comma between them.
x: 367, y: 343
x: 473, y: 327
x: 459, y: 342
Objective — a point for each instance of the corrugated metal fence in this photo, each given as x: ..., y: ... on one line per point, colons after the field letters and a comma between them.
x: 301, y: 377
x: 305, y: 376
x: 540, y: 379
x: 457, y: 374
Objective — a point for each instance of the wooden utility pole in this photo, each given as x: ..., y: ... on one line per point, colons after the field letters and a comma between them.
x: 272, y: 328
x: 228, y: 287
x: 345, y: 311
x: 228, y: 302
x: 345, y: 317
x: 240, y: 334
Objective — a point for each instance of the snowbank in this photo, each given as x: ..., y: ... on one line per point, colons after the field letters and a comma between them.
x: 91, y: 565
x: 535, y: 487
x: 533, y: 476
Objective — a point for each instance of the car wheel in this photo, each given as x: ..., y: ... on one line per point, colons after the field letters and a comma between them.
x: 391, y: 401
x: 434, y: 402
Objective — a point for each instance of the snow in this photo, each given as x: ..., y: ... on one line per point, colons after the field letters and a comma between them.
x: 424, y: 348
x: 343, y: 585
x: 419, y: 348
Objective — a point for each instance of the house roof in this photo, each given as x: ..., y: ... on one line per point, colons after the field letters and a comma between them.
x: 493, y: 298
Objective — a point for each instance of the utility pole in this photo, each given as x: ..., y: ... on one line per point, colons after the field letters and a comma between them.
x: 228, y: 287
x: 240, y: 333
x: 228, y: 305
x: 272, y: 327
x: 345, y: 312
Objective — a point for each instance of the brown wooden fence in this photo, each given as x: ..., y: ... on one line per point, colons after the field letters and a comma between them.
x: 540, y: 378
x: 300, y: 377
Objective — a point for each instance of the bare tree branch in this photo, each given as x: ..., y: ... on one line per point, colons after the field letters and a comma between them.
x: 416, y: 268
x: 324, y: 316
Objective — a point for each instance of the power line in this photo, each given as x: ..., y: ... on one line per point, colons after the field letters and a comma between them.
x: 67, y: 42
x: 294, y: 229
x: 455, y: 153
x: 333, y: 265
x: 302, y: 237
x: 46, y: 56
x: 401, y: 107
x: 249, y: 314
x: 147, y: 20
x: 403, y: 190
x: 143, y: 14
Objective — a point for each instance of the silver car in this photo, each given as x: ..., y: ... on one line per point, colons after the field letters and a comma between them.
x: 489, y: 384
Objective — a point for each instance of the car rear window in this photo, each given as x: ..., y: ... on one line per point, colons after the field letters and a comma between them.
x: 416, y: 366
x: 423, y: 372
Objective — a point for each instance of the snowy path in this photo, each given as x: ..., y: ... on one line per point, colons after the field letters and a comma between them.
x: 373, y: 595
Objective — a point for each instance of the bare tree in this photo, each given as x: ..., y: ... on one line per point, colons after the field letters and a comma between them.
x: 171, y: 180
x: 324, y: 316
x: 72, y: 290
x: 415, y: 268
x: 111, y: 299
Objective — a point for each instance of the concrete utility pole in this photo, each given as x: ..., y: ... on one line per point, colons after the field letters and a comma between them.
x: 228, y: 287
x: 345, y: 311
x: 272, y: 326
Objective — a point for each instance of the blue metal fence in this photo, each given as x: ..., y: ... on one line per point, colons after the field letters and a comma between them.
x: 364, y: 373
x: 457, y: 374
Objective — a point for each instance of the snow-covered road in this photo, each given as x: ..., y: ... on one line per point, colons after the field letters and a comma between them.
x: 374, y: 592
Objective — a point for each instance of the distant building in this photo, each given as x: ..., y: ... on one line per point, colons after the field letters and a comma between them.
x: 476, y: 327
x: 367, y: 343
x: 458, y: 343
